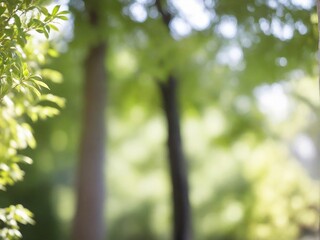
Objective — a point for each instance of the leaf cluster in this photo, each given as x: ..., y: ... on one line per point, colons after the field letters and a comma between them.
x: 10, y: 218
x: 22, y: 94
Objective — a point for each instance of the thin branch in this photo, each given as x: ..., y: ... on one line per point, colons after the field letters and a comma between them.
x: 166, y: 16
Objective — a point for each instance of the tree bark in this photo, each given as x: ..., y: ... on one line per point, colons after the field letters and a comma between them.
x: 318, y: 10
x: 177, y: 163
x: 89, y: 219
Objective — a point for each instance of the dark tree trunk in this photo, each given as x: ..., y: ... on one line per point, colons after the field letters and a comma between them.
x: 89, y: 219
x: 177, y: 163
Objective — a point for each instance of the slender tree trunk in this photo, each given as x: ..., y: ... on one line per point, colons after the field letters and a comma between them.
x: 178, y: 169
x: 177, y: 163
x: 318, y: 10
x: 89, y: 221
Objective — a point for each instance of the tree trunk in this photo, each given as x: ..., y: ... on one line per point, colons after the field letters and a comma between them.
x: 89, y: 219
x: 177, y: 163
x: 318, y: 10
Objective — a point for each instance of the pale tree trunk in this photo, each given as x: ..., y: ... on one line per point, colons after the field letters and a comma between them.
x: 89, y: 221
x: 177, y: 163
x: 318, y: 10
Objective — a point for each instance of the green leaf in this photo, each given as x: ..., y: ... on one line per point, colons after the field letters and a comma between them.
x: 57, y: 100
x: 21, y: 41
x: 52, y: 75
x: 46, y: 112
x: 2, y: 10
x: 30, y: 7
x: 32, y: 88
x: 42, y: 84
x: 27, y: 160
x: 39, y: 30
x: 63, y: 17
x: 54, y: 27
x: 44, y: 11
x: 26, y: 72
x: 36, y: 77
x: 55, y: 10
x: 46, y: 31
x: 9, y: 32
x: 53, y: 53
x: 36, y: 22
x: 17, y: 20
x: 48, y: 18
x: 63, y: 12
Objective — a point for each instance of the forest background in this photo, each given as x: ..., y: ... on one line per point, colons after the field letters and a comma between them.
x: 245, y: 76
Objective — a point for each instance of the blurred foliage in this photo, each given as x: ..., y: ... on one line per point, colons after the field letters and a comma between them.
x: 22, y: 95
x: 251, y: 175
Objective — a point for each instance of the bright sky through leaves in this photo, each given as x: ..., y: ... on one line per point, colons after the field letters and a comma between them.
x: 273, y: 101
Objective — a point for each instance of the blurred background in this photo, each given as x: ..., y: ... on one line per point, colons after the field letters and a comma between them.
x: 249, y: 113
